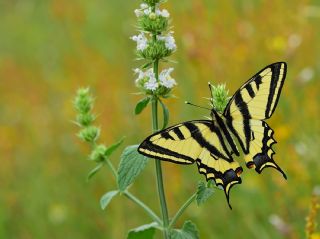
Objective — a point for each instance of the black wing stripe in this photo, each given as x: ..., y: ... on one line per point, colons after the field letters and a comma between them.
x: 166, y: 135
x: 163, y: 151
x: 227, y: 134
x: 223, y: 144
x: 217, y: 131
x: 250, y: 90
x: 178, y: 132
x: 280, y: 88
x: 246, y: 122
x: 202, y: 141
x: 273, y: 84
x: 258, y: 81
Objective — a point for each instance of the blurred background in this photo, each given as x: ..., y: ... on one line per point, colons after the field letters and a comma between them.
x: 50, y: 48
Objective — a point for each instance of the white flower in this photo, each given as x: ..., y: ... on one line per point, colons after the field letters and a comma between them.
x: 149, y: 73
x: 146, y: 10
x: 140, y: 74
x: 151, y: 85
x: 170, y: 43
x: 165, y: 78
x: 149, y: 78
x: 143, y: 5
x: 138, y: 12
x: 163, y: 13
x: 142, y: 41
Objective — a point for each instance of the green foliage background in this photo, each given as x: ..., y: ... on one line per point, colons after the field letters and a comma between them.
x: 49, y: 48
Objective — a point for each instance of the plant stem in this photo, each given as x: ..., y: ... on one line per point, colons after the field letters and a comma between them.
x: 145, y: 207
x: 163, y: 204
x: 114, y: 171
x: 155, y: 127
x: 182, y: 209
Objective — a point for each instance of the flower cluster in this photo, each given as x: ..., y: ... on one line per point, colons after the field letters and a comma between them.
x: 148, y: 82
x: 143, y: 43
x: 146, y: 10
x: 154, y: 44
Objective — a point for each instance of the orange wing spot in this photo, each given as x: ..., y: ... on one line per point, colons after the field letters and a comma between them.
x: 239, y: 171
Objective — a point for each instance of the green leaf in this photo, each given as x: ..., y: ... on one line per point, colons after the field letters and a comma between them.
x: 146, y: 65
x: 203, y: 193
x: 143, y: 232
x: 113, y: 147
x: 165, y: 112
x: 106, y: 198
x: 141, y: 105
x: 131, y: 165
x: 188, y: 231
x: 94, y: 171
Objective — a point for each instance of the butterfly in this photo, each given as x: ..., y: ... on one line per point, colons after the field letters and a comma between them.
x: 211, y: 144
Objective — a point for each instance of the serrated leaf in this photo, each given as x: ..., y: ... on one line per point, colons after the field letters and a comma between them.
x: 106, y: 198
x: 131, y: 165
x: 203, y: 193
x: 188, y: 231
x: 113, y: 147
x: 143, y: 232
x: 141, y: 105
x: 165, y: 112
x: 94, y: 171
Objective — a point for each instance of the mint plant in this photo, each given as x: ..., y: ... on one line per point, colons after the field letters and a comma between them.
x: 154, y: 44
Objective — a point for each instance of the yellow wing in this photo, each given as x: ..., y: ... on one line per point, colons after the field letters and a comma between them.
x: 195, y: 141
x: 255, y: 101
x: 260, y: 154
x: 258, y: 97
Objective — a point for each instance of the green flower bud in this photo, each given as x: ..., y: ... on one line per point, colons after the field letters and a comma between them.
x: 162, y: 91
x: 152, y: 16
x: 219, y: 98
x: 153, y: 23
x: 89, y: 134
x: 98, y: 153
x: 151, y: 2
x: 83, y: 101
x: 85, y: 120
x: 155, y: 50
x: 83, y: 92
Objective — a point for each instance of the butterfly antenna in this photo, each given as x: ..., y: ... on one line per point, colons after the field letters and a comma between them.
x: 188, y: 103
x: 210, y: 88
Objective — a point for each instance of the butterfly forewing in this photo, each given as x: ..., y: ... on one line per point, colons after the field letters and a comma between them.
x: 195, y: 141
x: 258, y: 97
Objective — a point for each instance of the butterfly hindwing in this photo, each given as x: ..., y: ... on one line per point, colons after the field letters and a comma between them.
x: 195, y: 141
x: 260, y: 154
